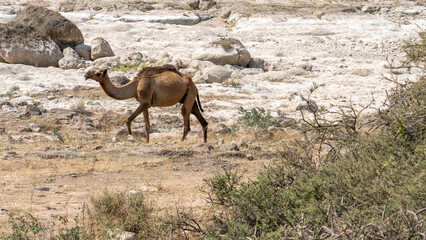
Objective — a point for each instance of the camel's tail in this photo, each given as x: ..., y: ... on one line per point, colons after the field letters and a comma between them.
x: 199, y: 103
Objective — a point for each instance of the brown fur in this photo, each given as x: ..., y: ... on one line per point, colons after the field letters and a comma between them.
x: 155, y: 87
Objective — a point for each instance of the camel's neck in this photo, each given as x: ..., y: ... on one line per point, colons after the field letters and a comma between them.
x: 120, y: 93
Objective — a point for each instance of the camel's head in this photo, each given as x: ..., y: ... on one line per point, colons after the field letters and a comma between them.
x: 97, y: 74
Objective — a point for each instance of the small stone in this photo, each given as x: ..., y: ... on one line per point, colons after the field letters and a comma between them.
x: 208, y: 148
x: 233, y: 146
x: 145, y: 188
x: 222, y: 129
x: 33, y: 110
x: 42, y: 189
x: 25, y: 129
x: 73, y: 174
x: 98, y: 147
x: 310, y: 106
x: 250, y: 157
x: 23, y: 103
x: 175, y: 168
x: 9, y: 154
x: 411, y: 12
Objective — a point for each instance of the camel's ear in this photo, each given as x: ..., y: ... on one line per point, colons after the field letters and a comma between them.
x: 105, y: 71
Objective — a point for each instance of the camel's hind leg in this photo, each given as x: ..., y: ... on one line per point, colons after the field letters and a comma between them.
x: 139, y: 110
x: 203, y: 122
x: 186, y: 112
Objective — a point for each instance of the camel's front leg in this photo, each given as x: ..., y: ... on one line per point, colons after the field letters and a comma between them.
x: 147, y: 125
x: 138, y: 111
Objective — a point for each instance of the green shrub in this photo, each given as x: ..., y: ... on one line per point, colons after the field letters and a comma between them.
x: 257, y: 119
x: 124, y: 212
x: 339, y: 182
x: 28, y: 227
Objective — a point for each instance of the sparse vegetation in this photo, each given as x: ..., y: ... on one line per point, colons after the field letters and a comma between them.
x: 124, y: 211
x: 257, y: 119
x: 127, y: 67
x: 226, y: 44
x: 29, y: 227
x: 79, y: 107
x: 357, y: 186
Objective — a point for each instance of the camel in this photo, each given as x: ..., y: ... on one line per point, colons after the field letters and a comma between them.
x: 155, y: 87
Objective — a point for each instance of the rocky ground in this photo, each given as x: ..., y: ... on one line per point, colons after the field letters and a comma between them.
x: 63, y: 140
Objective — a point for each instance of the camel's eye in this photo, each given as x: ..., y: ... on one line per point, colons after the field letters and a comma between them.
x: 98, y: 74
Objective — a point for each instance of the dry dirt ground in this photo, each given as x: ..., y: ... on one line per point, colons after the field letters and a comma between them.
x: 53, y: 161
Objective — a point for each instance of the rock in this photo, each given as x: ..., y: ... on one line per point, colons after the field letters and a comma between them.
x: 189, y: 71
x: 296, y: 72
x: 363, y: 72
x: 123, y: 133
x: 100, y: 49
x: 25, y: 129
x: 42, y: 189
x: 119, y: 80
x: 69, y: 52
x: 132, y: 58
x: 224, y: 51
x: 9, y: 155
x: 71, y: 60
x: 233, y: 146
x: 305, y: 66
x: 193, y: 4
x: 232, y: 154
x: 47, y: 22
x: 145, y: 188
x: 122, y: 235
x: 370, y: 9
x: 84, y: 51
x: 205, y: 16
x: 250, y: 157
x: 177, y: 63
x: 33, y: 110
x: 178, y: 20
x: 222, y: 129
x: 66, y: 154
x: 215, y: 74
x: 225, y: 13
x: 206, y: 4
x: 310, y: 106
x: 23, y: 46
x: 276, y: 76
x: 71, y: 63
x: 410, y: 12
x: 200, y: 65
x: 106, y: 61
x: 258, y: 63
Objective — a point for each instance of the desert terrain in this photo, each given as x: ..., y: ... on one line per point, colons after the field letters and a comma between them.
x: 63, y: 140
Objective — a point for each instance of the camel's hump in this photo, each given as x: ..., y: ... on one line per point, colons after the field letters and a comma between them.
x: 149, y: 71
